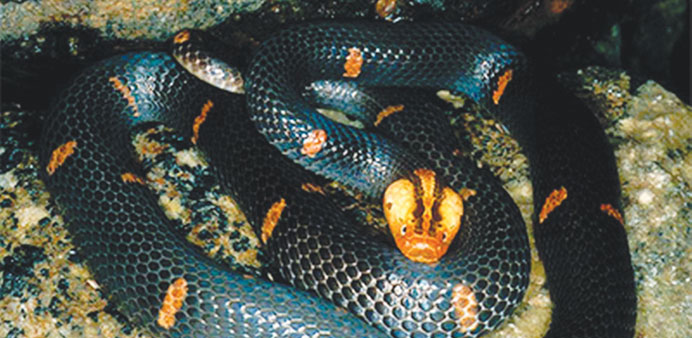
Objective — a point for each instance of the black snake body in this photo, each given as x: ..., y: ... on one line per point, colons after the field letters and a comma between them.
x: 128, y: 245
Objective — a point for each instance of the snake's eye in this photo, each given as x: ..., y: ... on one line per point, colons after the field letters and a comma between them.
x: 403, y: 230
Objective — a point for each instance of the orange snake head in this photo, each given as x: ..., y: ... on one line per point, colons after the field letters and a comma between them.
x: 423, y: 215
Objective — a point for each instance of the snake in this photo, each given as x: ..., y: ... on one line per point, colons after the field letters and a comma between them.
x: 262, y: 142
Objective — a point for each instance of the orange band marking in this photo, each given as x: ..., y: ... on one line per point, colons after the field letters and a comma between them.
x: 271, y: 219
x: 465, y: 306
x: 181, y: 37
x: 309, y: 187
x: 59, y: 155
x: 354, y: 61
x: 314, y: 142
x: 559, y: 6
x: 131, y: 178
x: 386, y: 112
x: 501, y: 85
x: 172, y: 303
x: 385, y: 8
x: 465, y: 193
x: 127, y: 94
x: 200, y: 119
x: 612, y: 212
x: 551, y: 202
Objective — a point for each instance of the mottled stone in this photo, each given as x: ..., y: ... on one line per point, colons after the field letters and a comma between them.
x: 150, y: 19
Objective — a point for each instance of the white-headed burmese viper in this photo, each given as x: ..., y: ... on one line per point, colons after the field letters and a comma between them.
x: 468, y: 289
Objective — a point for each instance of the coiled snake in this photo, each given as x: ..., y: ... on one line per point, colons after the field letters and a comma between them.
x: 162, y: 283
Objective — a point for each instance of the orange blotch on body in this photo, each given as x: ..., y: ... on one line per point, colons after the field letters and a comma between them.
x: 612, y: 212
x: 199, y: 119
x: 465, y: 307
x: 386, y: 112
x: 354, y: 61
x: 502, y: 82
x: 271, y: 219
x: 466, y: 193
x: 553, y: 201
x: 131, y: 178
x: 559, y: 6
x: 385, y: 8
x: 59, y: 155
x: 181, y: 37
x: 172, y: 302
x: 314, y: 142
x: 309, y: 187
x: 126, y: 93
